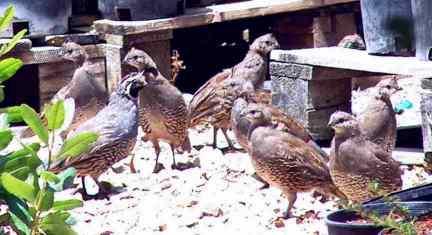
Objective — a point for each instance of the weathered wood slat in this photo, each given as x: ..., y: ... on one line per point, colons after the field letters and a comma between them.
x: 50, y: 54
x: 343, y: 58
x: 213, y: 14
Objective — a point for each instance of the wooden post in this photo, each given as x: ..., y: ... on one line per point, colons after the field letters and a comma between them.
x: 426, y: 112
x: 156, y: 44
x: 310, y: 94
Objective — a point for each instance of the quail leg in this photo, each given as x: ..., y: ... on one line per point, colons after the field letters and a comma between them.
x: 215, y: 130
x: 230, y: 147
x: 84, y: 190
x: 292, y: 197
x: 157, y: 149
x: 132, y: 165
x: 103, y: 190
x: 174, y: 165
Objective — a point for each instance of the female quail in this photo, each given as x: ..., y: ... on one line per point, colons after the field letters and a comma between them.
x: 117, y: 127
x: 378, y: 121
x: 163, y: 111
x: 285, y: 161
x: 356, y: 163
x: 252, y: 68
x: 89, y: 96
x: 280, y: 120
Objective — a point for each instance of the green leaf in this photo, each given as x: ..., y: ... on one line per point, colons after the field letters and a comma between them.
x: 69, y: 106
x: 7, y: 17
x: 14, y: 163
x: 17, y: 187
x: 19, y: 225
x: 53, y: 224
x: 55, y: 115
x: 66, y: 179
x: 67, y: 204
x: 8, y: 67
x: 11, y: 44
x: 44, y: 200
x: 34, y: 122
x: 26, y: 150
x: 76, y: 145
x: 48, y: 176
x: 6, y: 137
x: 4, y: 124
x: 13, y: 114
x: 18, y: 207
x: 21, y: 173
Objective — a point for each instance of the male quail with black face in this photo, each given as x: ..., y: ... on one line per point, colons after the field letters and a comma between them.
x: 117, y: 127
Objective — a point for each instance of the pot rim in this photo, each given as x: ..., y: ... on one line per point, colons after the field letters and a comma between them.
x: 365, y: 225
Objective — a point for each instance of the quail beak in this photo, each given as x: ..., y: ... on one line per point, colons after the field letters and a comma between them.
x: 61, y: 53
x: 331, y: 124
x: 143, y: 79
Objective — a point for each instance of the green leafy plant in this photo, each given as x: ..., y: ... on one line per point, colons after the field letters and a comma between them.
x: 27, y: 186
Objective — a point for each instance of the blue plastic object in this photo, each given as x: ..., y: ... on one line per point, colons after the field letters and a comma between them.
x: 403, y: 105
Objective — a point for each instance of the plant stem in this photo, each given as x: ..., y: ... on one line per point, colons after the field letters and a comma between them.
x: 34, y: 227
x: 50, y: 143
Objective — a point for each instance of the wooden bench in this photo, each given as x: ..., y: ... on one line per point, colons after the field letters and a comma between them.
x: 310, y: 84
x: 154, y: 35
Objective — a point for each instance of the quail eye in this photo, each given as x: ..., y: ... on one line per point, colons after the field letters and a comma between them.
x: 70, y: 51
x: 135, y: 57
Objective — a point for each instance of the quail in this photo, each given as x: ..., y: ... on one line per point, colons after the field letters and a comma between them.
x: 163, y: 110
x: 356, y: 163
x: 378, y: 121
x: 286, y: 161
x: 117, y: 127
x: 353, y: 41
x: 89, y: 96
x: 280, y: 120
x: 252, y: 68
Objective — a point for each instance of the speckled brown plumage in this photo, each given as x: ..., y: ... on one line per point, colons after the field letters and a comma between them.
x: 285, y: 161
x: 208, y: 101
x: 163, y: 110
x: 356, y: 163
x: 378, y: 121
x: 280, y: 121
x: 89, y: 96
x: 117, y: 128
x: 352, y: 42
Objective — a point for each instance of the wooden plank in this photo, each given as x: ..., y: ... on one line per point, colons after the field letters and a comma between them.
x: 213, y: 14
x: 82, y: 39
x: 343, y: 58
x: 307, y: 72
x: 50, y: 54
x: 426, y: 114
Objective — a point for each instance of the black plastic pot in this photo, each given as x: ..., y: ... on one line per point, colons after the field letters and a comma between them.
x: 337, y: 221
x: 418, y: 193
x: 421, y: 10
x: 387, y: 26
